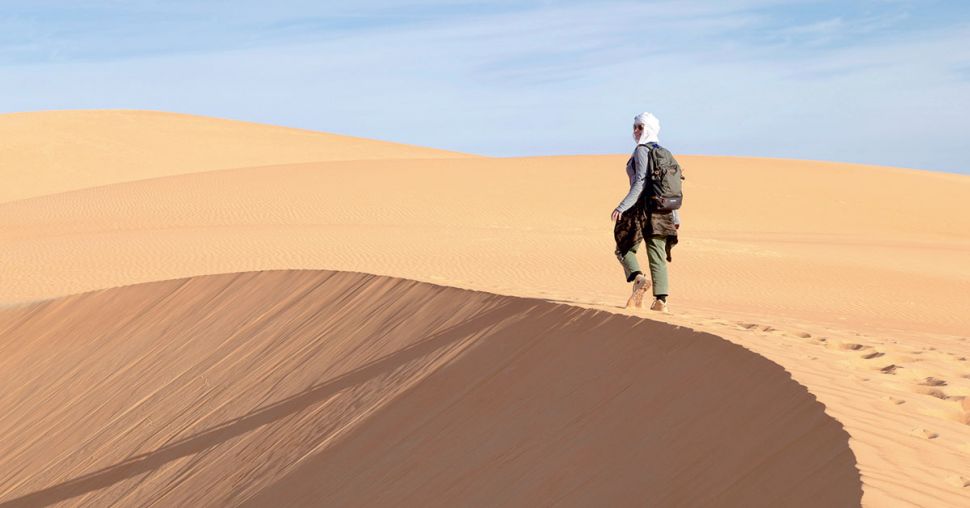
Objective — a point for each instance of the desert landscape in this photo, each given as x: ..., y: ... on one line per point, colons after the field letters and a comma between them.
x: 197, y: 311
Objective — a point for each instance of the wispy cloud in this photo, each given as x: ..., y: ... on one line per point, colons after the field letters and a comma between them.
x: 827, y: 80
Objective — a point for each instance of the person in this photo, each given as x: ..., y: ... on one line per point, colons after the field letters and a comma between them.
x: 636, y: 222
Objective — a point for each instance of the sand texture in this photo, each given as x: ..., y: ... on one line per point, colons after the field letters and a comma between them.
x: 821, y: 271
x: 311, y: 387
x: 55, y: 151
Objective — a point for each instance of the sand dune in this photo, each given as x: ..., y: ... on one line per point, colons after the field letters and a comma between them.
x: 283, y: 388
x: 862, y: 299
x: 55, y: 151
x: 528, y: 227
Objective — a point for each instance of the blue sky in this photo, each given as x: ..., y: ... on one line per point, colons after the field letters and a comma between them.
x: 871, y: 81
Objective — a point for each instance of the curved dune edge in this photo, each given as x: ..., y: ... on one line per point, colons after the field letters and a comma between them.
x: 47, y: 152
x: 282, y: 387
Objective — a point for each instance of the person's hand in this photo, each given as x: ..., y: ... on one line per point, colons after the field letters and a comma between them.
x: 616, y: 215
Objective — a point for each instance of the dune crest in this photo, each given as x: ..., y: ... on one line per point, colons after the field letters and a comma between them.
x: 47, y: 152
x: 270, y: 388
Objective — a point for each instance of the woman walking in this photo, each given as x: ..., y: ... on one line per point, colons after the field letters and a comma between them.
x: 638, y: 219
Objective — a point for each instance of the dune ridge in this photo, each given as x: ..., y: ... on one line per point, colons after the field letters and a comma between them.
x: 296, y: 386
x: 46, y: 152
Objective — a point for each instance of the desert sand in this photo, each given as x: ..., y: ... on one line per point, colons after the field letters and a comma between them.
x: 340, y: 389
x: 115, y: 314
x: 56, y: 151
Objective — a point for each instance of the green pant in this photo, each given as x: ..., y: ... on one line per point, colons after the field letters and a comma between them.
x: 656, y: 256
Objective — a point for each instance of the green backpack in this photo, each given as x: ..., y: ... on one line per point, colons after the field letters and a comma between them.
x: 666, y: 193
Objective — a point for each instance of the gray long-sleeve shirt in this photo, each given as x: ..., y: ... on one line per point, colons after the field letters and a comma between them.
x: 636, y: 169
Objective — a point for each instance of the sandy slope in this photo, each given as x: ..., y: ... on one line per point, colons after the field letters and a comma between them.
x: 861, y: 298
x: 529, y: 226
x: 55, y: 151
x: 342, y: 389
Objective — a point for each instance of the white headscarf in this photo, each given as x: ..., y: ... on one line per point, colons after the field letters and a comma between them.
x: 651, y: 128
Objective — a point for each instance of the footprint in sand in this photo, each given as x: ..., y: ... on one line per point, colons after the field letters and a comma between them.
x: 932, y: 392
x: 924, y: 433
x: 929, y: 386
x: 874, y: 354
x: 748, y: 326
x: 965, y: 406
x: 932, y: 381
x: 845, y: 346
x: 959, y: 481
x: 889, y: 369
x: 896, y: 401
